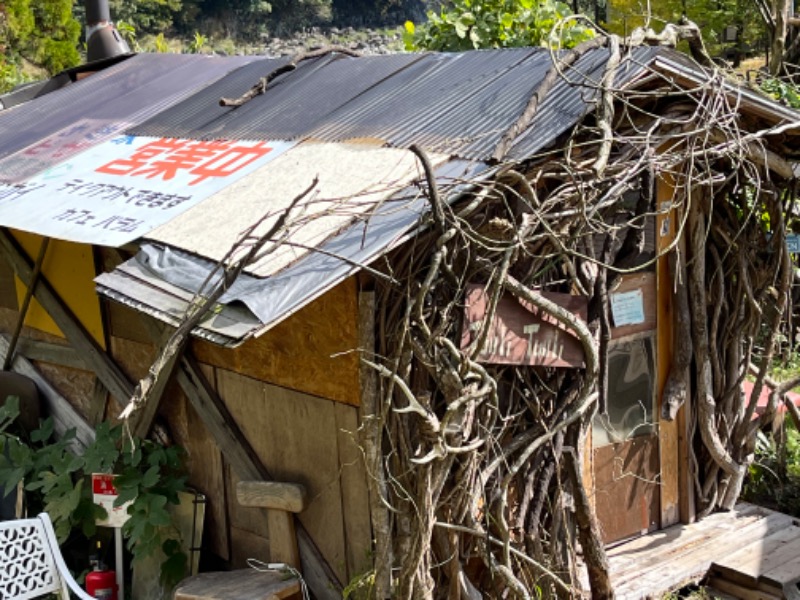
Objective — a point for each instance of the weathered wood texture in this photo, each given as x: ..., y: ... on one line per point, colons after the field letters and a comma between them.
x: 652, y: 565
x: 65, y: 416
x: 667, y: 430
x: 311, y: 351
x: 245, y: 585
x: 355, y: 493
x: 80, y: 339
x: 295, y: 435
x: 203, y: 458
x: 272, y: 495
x: 8, y: 294
x: 626, y: 491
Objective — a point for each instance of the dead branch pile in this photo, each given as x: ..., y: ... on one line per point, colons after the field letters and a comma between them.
x: 478, y: 466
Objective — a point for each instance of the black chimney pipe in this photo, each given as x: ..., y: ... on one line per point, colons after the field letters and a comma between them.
x: 102, y: 38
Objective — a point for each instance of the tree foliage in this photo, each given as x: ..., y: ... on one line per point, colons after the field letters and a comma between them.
x: 469, y: 24
x: 713, y: 17
x: 43, y: 32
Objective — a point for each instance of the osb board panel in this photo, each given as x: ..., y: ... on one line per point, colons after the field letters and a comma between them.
x: 203, y: 458
x: 8, y: 294
x: 646, y: 282
x: 76, y: 385
x: 70, y: 269
x: 668, y: 430
x: 296, y: 437
x: 311, y: 351
x: 124, y: 322
x: 355, y: 493
x: 626, y: 487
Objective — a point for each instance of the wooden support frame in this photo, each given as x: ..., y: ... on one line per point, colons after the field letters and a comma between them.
x: 243, y: 459
x: 93, y: 355
x: 65, y: 416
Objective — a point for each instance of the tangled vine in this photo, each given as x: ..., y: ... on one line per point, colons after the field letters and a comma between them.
x: 477, y: 468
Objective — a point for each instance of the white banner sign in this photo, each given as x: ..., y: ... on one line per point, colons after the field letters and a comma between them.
x: 121, y: 189
x: 104, y: 494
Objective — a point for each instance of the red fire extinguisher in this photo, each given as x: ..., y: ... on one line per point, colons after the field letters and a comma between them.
x: 101, y: 582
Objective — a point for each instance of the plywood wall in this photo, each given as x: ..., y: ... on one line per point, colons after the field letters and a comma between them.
x: 308, y: 440
x: 312, y: 351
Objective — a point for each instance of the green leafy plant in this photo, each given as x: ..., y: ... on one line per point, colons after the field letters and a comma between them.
x: 56, y: 480
x: 161, y: 44
x: 774, y: 477
x: 469, y: 24
x: 783, y: 91
x: 197, y: 44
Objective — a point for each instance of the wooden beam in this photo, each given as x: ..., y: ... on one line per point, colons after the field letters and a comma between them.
x: 64, y: 356
x: 667, y: 430
x: 80, y: 339
x: 142, y: 419
x: 289, y: 497
x: 65, y: 416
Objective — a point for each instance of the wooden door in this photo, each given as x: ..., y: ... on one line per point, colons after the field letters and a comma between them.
x: 625, y: 442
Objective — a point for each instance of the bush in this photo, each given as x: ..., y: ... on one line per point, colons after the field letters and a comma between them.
x: 57, y: 480
x: 469, y: 24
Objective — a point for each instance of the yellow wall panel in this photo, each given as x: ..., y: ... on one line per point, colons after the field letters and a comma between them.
x: 69, y: 267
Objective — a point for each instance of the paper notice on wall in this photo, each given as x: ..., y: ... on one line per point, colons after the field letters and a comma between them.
x: 627, y: 308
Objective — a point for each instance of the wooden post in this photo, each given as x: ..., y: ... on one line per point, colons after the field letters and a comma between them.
x: 667, y: 430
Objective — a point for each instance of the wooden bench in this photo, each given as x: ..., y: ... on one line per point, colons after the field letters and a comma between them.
x: 282, y: 501
x: 31, y: 564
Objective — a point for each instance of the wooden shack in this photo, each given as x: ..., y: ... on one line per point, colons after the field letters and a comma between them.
x: 284, y: 379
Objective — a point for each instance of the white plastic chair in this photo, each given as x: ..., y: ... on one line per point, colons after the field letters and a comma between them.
x: 31, y: 564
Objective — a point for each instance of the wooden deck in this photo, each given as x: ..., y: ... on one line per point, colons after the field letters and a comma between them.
x: 750, y: 552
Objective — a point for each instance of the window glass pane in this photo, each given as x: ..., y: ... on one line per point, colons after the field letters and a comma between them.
x: 631, y: 373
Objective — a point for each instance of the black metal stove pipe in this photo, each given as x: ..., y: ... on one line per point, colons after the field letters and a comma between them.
x: 102, y: 38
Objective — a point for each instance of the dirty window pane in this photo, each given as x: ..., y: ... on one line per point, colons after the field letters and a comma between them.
x: 631, y: 373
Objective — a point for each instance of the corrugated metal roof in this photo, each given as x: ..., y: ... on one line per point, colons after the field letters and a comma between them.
x: 457, y: 103
x: 156, y: 292
x: 107, y: 102
x: 296, y: 101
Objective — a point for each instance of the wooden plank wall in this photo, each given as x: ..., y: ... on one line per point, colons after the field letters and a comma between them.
x: 299, y: 436
x: 308, y: 440
x: 294, y: 393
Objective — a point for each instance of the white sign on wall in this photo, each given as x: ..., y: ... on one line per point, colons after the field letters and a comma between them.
x: 627, y: 308
x: 121, y: 189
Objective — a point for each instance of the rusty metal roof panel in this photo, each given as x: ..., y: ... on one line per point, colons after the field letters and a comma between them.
x: 104, y: 104
x: 448, y: 99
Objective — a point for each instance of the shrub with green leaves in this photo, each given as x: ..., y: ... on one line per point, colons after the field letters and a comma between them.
x: 469, y: 24
x: 56, y: 480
